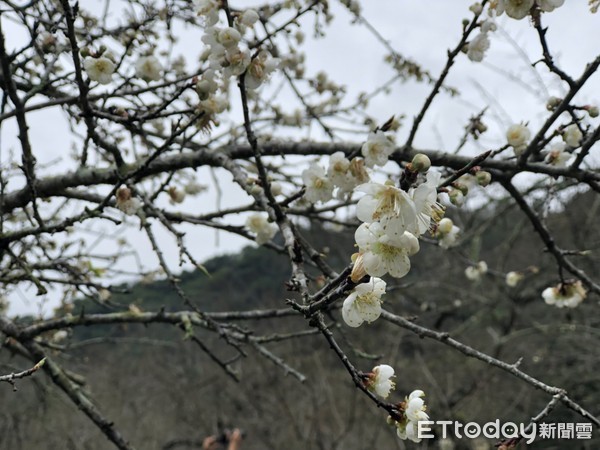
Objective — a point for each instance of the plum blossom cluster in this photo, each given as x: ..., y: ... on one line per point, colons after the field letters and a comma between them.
x: 393, y: 219
x: 261, y: 227
x: 341, y: 178
x: 519, y: 9
x: 228, y: 55
x: 481, y: 43
x: 412, y: 412
x: 565, y: 295
x: 101, y: 66
x: 474, y: 273
x: 409, y: 412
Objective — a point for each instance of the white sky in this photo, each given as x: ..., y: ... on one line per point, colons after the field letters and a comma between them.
x: 421, y: 30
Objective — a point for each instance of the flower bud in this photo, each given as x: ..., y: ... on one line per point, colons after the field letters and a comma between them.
x: 483, y: 178
x: 445, y: 226
x: 593, y: 111
x: 462, y: 188
x: 552, y: 103
x: 456, y: 197
x: 420, y: 163
x: 358, y: 269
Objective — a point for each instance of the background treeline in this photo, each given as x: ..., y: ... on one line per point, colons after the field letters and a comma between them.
x: 163, y: 391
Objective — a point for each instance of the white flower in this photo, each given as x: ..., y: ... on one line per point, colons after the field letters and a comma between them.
x: 209, y: 10
x: 557, y: 156
x: 249, y: 18
x: 195, y: 188
x: 206, y: 85
x: 318, y: 186
x: 99, y: 69
x: 517, y: 9
x: 488, y: 25
x: 447, y: 233
x: 259, y: 225
x: 565, y: 295
x: 176, y: 195
x: 513, y: 278
x: 477, y: 47
x: 126, y: 203
x: 414, y: 412
x: 408, y: 430
x: 382, y: 253
x: 380, y: 380
x: 238, y: 60
x: 517, y: 136
x: 148, y: 68
x: 364, y: 303
x: 229, y: 37
x: 392, y: 207
x: 474, y: 273
x: 415, y: 407
x: 260, y: 69
x: 214, y: 105
x: 426, y: 205
x: 572, y: 136
x: 338, y: 171
x: 377, y: 149
x: 549, y: 5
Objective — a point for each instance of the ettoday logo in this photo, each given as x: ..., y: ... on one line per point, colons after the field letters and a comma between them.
x: 508, y: 430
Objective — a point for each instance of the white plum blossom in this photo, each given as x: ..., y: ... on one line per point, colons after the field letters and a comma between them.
x: 475, y: 272
x: 126, y: 202
x: 572, y: 136
x: 415, y: 407
x: 215, y: 104
x: 478, y: 46
x: 148, y: 68
x: 319, y: 187
x: 557, y: 156
x: 513, y: 278
x: 549, y: 5
x: 518, y: 136
x: 567, y: 295
x: 392, y: 207
x: 380, y: 380
x: 426, y: 204
x: 364, y: 303
x: 237, y: 62
x: 260, y: 69
x: 414, y: 412
x: 259, y: 225
x: 208, y: 10
x: 176, y: 195
x: 194, y: 188
x: 249, y: 18
x: 408, y: 430
x: 99, y: 69
x: 377, y: 149
x: 345, y: 174
x: 447, y: 233
x: 206, y: 85
x: 381, y: 253
x: 517, y: 9
x: 338, y: 171
x: 228, y: 37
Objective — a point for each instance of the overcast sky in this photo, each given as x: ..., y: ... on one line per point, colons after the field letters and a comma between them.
x: 422, y: 30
